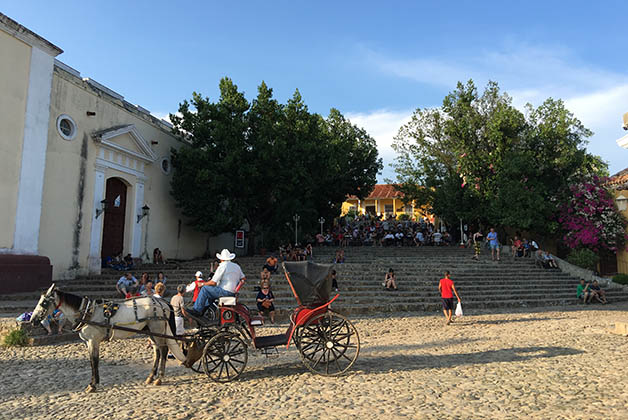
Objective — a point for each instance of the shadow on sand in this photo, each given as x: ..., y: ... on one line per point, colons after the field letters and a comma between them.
x: 471, y: 321
x: 402, y: 363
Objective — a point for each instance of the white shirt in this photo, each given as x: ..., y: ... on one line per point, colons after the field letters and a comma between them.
x: 228, y: 275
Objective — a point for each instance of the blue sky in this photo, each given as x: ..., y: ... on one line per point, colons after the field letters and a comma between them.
x: 375, y: 61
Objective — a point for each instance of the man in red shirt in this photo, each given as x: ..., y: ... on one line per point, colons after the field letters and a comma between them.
x: 446, y: 287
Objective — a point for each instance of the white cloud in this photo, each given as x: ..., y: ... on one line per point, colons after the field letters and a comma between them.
x: 164, y: 115
x: 521, y: 67
x: 597, y: 96
x: 383, y: 126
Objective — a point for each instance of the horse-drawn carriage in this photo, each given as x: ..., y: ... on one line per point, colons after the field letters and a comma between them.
x: 327, y: 341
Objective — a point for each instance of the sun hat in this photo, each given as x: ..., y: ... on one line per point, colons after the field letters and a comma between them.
x: 199, y: 274
x: 225, y: 255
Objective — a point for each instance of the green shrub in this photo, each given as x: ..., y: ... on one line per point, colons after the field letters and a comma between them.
x: 351, y: 214
x: 620, y: 278
x: 403, y: 216
x: 584, y: 258
x: 16, y: 337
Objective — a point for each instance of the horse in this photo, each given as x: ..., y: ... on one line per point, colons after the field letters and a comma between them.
x: 144, y: 313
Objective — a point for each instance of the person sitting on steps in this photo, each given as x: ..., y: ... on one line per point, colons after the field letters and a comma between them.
x: 271, y: 264
x: 265, y: 299
x: 516, y: 249
x: 390, y: 280
x: 334, y: 281
x: 548, y: 261
x: 583, y: 292
x: 127, y: 285
x: 127, y: 261
x: 598, y: 293
x: 158, y: 257
x: 56, y: 316
x: 265, y: 275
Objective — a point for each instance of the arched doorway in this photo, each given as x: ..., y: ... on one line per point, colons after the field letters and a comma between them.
x: 113, y: 225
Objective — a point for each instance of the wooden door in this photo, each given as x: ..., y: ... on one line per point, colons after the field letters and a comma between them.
x: 113, y: 227
x: 608, y: 264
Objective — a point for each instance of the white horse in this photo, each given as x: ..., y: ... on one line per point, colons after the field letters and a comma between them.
x: 145, y: 313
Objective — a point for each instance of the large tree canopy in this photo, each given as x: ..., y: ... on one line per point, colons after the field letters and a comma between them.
x: 479, y: 158
x: 262, y: 162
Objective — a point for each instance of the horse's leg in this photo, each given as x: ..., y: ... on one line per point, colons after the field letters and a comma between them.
x: 93, y: 349
x: 153, y: 371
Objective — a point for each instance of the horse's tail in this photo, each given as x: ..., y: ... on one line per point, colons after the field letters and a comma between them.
x: 173, y: 326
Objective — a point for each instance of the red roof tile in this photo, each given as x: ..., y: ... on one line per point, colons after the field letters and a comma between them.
x: 619, y: 181
x: 381, y: 191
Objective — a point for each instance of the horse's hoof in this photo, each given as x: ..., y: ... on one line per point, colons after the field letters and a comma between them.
x: 149, y: 380
x: 157, y: 381
x: 90, y: 388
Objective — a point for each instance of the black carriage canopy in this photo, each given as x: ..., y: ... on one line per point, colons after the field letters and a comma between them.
x: 311, y: 282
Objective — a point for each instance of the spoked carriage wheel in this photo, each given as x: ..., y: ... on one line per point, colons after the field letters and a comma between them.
x: 329, y: 344
x: 198, y: 366
x: 202, y: 337
x: 224, y: 357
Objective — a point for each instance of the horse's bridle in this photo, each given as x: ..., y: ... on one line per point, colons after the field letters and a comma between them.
x: 48, y: 300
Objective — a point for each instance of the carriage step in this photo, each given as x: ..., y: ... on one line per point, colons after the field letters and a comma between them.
x: 270, y: 352
x: 271, y: 341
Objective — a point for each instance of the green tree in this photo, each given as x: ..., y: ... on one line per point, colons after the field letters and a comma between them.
x: 477, y: 157
x: 262, y: 162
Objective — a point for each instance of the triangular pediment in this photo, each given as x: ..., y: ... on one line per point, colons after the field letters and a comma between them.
x: 126, y: 139
x: 127, y: 142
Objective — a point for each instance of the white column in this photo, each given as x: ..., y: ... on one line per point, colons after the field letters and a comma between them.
x: 94, y: 260
x: 29, y: 198
x: 137, y: 226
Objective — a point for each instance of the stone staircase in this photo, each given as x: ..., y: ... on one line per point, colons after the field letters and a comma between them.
x: 481, y: 284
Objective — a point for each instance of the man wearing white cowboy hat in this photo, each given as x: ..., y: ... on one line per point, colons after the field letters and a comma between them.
x: 224, y: 283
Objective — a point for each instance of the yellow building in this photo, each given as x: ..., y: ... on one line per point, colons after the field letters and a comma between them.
x: 619, y: 183
x: 84, y: 174
x: 385, y: 201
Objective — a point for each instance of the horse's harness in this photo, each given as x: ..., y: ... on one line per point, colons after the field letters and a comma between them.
x: 110, y: 308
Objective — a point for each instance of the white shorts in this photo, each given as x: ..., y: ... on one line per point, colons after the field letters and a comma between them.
x: 178, y: 322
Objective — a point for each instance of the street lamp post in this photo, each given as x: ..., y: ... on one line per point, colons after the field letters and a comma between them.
x: 296, y: 219
x: 461, y: 235
x: 321, y: 220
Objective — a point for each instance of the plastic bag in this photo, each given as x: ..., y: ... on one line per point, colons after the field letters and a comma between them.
x: 25, y: 317
x: 459, y: 309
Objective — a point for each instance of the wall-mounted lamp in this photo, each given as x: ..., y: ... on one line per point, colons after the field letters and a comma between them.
x: 101, y: 210
x: 622, y: 202
x: 145, y: 211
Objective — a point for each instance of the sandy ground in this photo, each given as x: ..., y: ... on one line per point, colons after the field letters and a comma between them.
x: 545, y: 364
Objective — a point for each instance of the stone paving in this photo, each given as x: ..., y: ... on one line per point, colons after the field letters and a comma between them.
x: 546, y: 363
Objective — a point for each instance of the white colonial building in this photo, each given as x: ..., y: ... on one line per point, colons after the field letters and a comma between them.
x: 84, y: 174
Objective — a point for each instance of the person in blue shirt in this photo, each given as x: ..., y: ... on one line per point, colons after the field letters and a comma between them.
x: 493, y: 243
x: 127, y: 285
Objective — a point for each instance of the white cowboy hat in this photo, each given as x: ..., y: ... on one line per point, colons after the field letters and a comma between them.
x: 225, y: 255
